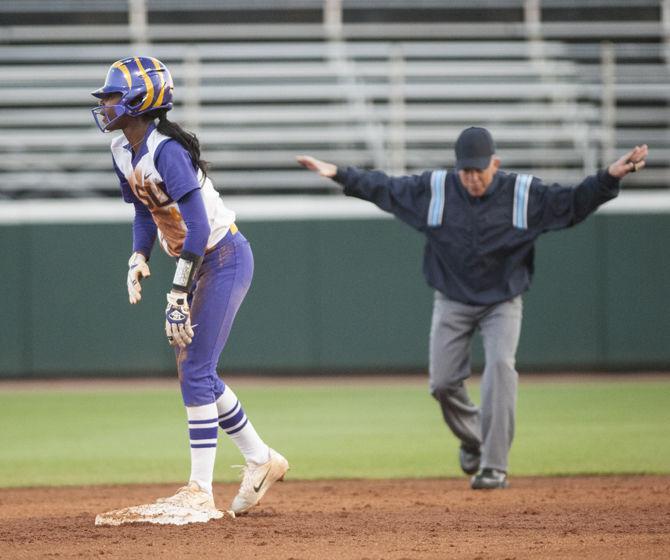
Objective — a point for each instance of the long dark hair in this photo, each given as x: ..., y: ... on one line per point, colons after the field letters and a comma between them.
x: 187, y: 139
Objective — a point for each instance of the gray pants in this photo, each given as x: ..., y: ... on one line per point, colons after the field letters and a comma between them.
x: 451, y: 333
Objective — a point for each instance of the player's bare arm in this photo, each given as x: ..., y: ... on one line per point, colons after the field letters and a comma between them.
x: 323, y: 168
x: 630, y: 162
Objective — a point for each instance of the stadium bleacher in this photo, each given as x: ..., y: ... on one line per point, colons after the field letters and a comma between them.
x: 387, y: 85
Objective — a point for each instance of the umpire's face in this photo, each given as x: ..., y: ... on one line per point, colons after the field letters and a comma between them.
x: 477, y: 181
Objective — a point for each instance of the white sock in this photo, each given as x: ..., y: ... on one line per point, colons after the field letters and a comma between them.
x: 235, y: 423
x: 203, y: 433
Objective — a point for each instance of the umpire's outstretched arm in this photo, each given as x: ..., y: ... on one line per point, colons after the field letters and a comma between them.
x: 403, y: 196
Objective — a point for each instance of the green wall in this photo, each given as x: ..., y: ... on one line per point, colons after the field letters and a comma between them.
x: 332, y: 294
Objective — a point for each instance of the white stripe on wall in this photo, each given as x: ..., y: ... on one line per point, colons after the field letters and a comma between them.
x: 268, y: 208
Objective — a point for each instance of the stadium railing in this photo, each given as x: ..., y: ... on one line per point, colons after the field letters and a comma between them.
x: 249, y: 102
x: 370, y: 100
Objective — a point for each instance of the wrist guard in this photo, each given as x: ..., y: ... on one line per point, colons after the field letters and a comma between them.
x: 187, y: 267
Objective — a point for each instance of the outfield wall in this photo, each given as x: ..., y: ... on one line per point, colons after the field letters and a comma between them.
x: 337, y: 286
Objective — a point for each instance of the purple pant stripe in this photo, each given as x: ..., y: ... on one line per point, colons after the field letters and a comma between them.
x: 233, y: 420
x: 222, y: 416
x: 231, y: 432
x: 203, y: 433
x: 202, y: 421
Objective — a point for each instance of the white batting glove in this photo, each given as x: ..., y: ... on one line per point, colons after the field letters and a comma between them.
x: 178, y: 320
x: 138, y: 269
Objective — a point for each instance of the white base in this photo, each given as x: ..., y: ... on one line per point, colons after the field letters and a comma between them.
x: 159, y: 514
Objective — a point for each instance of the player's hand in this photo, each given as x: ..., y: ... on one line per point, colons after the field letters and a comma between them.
x: 138, y: 269
x: 323, y: 168
x: 178, y: 319
x: 629, y: 163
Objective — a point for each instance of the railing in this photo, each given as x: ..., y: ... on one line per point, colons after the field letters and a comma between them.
x: 397, y: 106
x: 557, y: 109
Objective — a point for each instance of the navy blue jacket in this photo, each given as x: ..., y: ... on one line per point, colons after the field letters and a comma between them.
x: 479, y: 250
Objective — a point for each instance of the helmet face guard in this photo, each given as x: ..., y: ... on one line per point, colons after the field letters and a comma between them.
x: 106, y: 115
x: 145, y: 84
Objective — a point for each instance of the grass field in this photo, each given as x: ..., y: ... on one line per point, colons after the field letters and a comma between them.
x: 371, y: 430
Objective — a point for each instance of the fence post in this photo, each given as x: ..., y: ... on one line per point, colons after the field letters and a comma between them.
x: 137, y: 20
x: 397, y: 110
x: 665, y: 23
x: 332, y: 19
x: 192, y: 89
x: 608, y: 102
x: 532, y: 14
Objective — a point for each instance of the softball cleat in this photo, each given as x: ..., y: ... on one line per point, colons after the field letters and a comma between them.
x: 489, y: 479
x: 190, y: 496
x: 469, y: 457
x: 257, y: 480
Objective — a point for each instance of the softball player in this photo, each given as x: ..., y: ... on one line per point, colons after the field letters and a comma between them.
x: 162, y: 175
x: 480, y: 226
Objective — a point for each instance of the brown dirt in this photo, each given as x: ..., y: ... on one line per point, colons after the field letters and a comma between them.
x: 581, y: 517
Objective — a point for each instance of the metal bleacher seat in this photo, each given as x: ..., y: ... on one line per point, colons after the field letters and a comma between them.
x: 287, y: 89
x: 253, y: 114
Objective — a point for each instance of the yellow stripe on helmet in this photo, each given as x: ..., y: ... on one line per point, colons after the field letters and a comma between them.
x: 157, y: 65
x: 149, y: 84
x: 126, y: 74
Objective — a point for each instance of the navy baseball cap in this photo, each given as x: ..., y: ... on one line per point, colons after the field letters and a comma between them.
x: 474, y: 148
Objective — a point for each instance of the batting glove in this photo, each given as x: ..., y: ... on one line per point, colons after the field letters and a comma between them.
x: 138, y: 269
x: 178, y: 320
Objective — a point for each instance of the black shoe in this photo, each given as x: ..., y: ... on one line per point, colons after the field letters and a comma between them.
x: 489, y: 479
x: 469, y: 457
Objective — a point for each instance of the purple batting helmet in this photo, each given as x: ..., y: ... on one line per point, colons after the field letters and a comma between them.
x: 145, y: 84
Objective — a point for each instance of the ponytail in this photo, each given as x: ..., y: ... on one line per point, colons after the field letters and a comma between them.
x: 187, y: 139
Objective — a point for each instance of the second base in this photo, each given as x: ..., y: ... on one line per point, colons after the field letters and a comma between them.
x: 159, y: 514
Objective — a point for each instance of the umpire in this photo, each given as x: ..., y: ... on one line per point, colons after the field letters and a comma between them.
x: 480, y: 225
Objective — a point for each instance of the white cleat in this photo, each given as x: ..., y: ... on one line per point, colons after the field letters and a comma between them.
x: 257, y: 480
x: 190, y: 496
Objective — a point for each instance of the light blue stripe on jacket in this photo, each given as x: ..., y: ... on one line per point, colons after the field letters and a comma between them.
x: 437, y: 188
x: 521, y: 194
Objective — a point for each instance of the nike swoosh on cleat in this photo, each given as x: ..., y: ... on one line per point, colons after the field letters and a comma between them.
x: 257, y: 488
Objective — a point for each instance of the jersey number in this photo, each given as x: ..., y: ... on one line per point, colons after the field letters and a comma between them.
x: 151, y: 195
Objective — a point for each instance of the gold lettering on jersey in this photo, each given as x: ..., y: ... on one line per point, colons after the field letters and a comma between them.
x: 171, y: 226
x: 176, y: 215
x: 151, y: 194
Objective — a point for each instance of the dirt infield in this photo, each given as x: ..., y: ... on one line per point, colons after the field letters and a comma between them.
x: 582, y: 517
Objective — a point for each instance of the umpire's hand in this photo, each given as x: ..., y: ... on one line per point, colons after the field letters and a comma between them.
x: 629, y: 163
x: 323, y: 168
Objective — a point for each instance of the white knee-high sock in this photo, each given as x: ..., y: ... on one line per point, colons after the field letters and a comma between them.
x: 203, y: 434
x: 235, y: 423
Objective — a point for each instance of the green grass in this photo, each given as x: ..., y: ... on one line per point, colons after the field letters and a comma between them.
x: 53, y: 438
